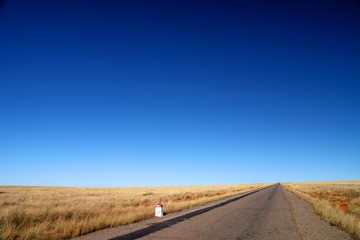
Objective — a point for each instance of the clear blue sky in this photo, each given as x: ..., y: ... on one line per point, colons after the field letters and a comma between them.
x: 166, y: 93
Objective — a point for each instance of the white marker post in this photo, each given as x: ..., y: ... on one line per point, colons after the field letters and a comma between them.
x: 159, y: 210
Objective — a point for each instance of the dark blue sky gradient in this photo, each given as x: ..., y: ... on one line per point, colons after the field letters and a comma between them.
x: 163, y: 93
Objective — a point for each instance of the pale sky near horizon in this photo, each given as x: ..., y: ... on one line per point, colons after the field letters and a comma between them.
x: 175, y: 93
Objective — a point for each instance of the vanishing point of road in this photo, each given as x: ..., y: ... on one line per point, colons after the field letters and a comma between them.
x: 270, y: 213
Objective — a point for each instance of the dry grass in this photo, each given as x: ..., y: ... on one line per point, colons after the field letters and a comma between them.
x: 60, y: 213
x: 337, y: 202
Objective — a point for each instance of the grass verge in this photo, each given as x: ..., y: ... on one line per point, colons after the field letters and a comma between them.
x: 336, y: 202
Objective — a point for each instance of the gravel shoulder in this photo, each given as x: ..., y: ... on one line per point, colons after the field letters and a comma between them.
x: 309, y: 224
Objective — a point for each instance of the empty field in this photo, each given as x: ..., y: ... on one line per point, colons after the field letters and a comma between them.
x: 337, y: 202
x: 58, y: 213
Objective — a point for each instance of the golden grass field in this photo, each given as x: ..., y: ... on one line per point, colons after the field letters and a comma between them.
x: 60, y: 213
x: 337, y: 202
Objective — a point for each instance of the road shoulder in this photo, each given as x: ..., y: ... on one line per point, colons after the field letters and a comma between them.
x: 309, y: 224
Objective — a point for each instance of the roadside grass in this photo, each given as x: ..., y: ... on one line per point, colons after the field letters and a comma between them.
x: 61, y: 213
x: 337, y: 202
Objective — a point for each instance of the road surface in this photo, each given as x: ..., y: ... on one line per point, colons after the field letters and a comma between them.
x: 264, y: 215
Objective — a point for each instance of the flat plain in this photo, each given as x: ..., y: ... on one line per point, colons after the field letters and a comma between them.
x: 337, y: 202
x: 61, y: 213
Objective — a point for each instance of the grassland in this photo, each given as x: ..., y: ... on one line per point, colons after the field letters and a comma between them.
x: 337, y: 202
x: 61, y: 213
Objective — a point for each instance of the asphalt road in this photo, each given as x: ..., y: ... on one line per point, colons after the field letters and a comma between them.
x: 266, y: 214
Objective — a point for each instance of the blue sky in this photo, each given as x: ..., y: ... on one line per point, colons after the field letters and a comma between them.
x: 172, y: 93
